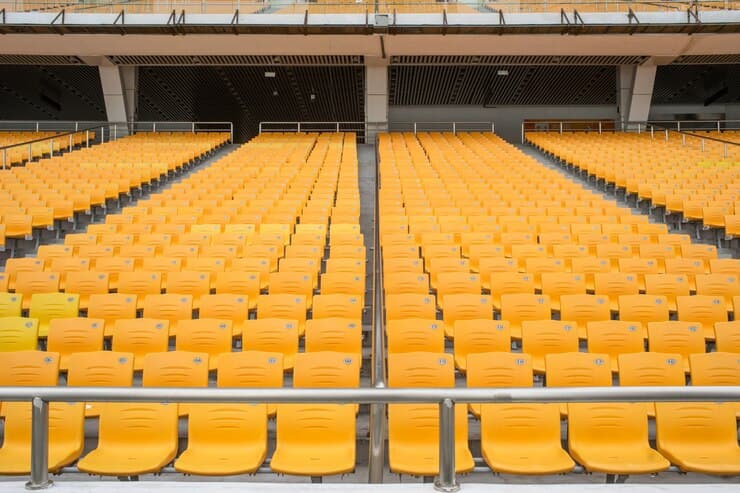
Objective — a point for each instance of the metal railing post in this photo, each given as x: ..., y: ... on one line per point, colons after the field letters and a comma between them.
x: 39, y: 446
x: 192, y: 127
x: 87, y: 138
x: 51, y: 147
x: 414, y: 128
x: 37, y: 126
x: 683, y: 139
x: 154, y: 126
x: 678, y: 125
x: 493, y: 127
x: 702, y: 145
x: 115, y: 131
x: 446, y: 480
x: 561, y: 128
x: 5, y: 156
x: 666, y: 135
x: 522, y: 132
x: 652, y: 132
x: 299, y: 127
x: 719, y: 126
x: 71, y: 143
x: 77, y: 126
x: 454, y: 128
x: 30, y: 152
x: 725, y: 150
x: 599, y: 128
x: 337, y: 127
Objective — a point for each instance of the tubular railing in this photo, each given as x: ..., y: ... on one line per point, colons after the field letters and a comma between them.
x: 445, y: 397
x: 358, y: 127
x: 376, y: 460
x: 67, y: 138
x: 453, y: 127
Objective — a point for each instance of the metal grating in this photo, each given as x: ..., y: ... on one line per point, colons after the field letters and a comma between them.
x: 514, y: 60
x: 40, y: 60
x: 707, y: 59
x: 225, y: 60
x: 697, y: 84
x: 481, y: 85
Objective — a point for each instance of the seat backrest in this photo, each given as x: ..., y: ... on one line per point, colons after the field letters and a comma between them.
x: 327, y: 369
x: 499, y: 369
x: 140, y: 283
x: 18, y: 334
x: 250, y: 369
x: 100, y: 369
x: 578, y: 370
x: 207, y: 335
x: 175, y: 369
x: 140, y: 336
x: 49, y: 306
x: 715, y: 368
x: 673, y: 336
x: 653, y: 368
x: 727, y: 336
x: 172, y: 307
x: 29, y: 368
x: 543, y: 337
x: 338, y: 334
x: 643, y: 308
x: 421, y: 370
x: 276, y: 335
x: 73, y: 335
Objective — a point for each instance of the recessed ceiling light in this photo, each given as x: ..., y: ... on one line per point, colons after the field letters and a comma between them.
x: 502, y: 72
x: 270, y: 74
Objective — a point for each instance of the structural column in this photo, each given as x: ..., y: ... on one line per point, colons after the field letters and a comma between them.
x: 376, y: 96
x: 635, y: 91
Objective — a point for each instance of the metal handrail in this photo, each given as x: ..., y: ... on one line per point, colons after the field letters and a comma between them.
x: 51, y: 139
x: 445, y: 397
x: 453, y: 126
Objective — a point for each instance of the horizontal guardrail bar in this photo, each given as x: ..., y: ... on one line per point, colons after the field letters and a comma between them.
x: 372, y: 395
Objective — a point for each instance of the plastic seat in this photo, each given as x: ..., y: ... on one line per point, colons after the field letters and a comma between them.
x: 140, y: 336
x: 465, y: 307
x: 509, y: 283
x: 724, y: 266
x: 717, y: 368
x: 111, y: 307
x: 18, y: 334
x: 285, y: 306
x: 99, y: 369
x: 251, y: 369
x: 405, y: 283
x: 558, y: 284
x: 140, y: 284
x: 49, y: 252
x: 682, y: 338
x: 612, y: 438
x: 668, y: 285
x: 647, y: 369
x: 577, y: 370
x: 479, y: 336
x: 207, y: 335
x: 498, y: 369
x: 590, y: 266
x: 413, y: 429
x: 65, y: 265
x: 584, y: 308
x: 699, y: 436
x: 727, y: 336
x: 66, y: 436
x: 722, y: 285
x: 176, y: 369
x: 231, y: 307
x: 113, y: 266
x: 523, y: 439
x: 274, y: 335
x: 516, y: 308
x: 134, y: 439
x: 439, y: 265
x: 46, y: 307
x: 10, y: 304
x: 192, y: 283
x: 85, y: 284
x: 703, y: 309
x: 172, y: 307
x: 614, y: 285
x: 242, y: 283
x: 343, y: 283
x: 615, y: 337
x: 643, y: 308
x: 337, y: 305
x: 542, y: 337
x: 336, y: 334
x: 293, y: 283
x: 14, y: 266
x: 74, y: 335
x: 28, y: 284
x: 410, y: 335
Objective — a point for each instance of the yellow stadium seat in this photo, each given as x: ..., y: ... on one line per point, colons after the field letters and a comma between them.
x: 140, y: 336
x: 242, y: 283
x: 207, y: 335
x: 231, y: 307
x: 410, y: 335
x: 251, y: 369
x: 275, y: 335
x: 10, y: 304
x: 612, y: 438
x: 413, y: 429
x: 543, y: 337
x: 516, y: 308
x: 343, y: 283
x: 18, y: 334
x: 85, y: 284
x: 479, y: 336
x: 559, y: 284
x: 614, y: 285
x: 643, y: 308
x: 615, y: 337
x: 498, y: 369
x: 74, y: 335
x: 192, y: 283
x: 509, y: 283
x: 172, y: 307
x: 111, y: 307
x: 46, y: 307
x: 698, y: 436
x: 113, y: 266
x: 343, y: 335
x: 647, y: 369
x: 140, y: 284
x: 703, y: 309
x: 727, y: 336
x: 14, y: 266
x: 722, y: 285
x: 100, y: 369
x: 523, y: 439
x: 582, y: 309
x: 28, y: 284
x: 465, y: 307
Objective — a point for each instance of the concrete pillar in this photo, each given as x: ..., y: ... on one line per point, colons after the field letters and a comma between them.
x: 112, y: 84
x: 376, y: 97
x: 130, y: 92
x: 635, y: 91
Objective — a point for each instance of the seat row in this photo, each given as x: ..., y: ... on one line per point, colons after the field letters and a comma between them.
x: 37, y: 149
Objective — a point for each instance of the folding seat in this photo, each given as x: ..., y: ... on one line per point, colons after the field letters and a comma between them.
x: 193, y: 283
x: 577, y: 370
x: 413, y: 429
x: 207, y: 335
x: 652, y: 229
x: 550, y: 240
x: 226, y: 306
x: 140, y: 283
x: 688, y: 267
x: 18, y: 334
x: 590, y: 266
x: 470, y: 239
x: 135, y: 229
x: 116, y: 240
x: 614, y: 252
x: 30, y: 283
x: 251, y: 369
x: 110, y: 308
x: 49, y: 252
x: 269, y: 252
x: 648, y: 369
x: 18, y: 226
x: 295, y: 283
x: 410, y: 335
x: 643, y: 308
x: 698, y: 436
x: 46, y: 307
x: 405, y: 251
x: 66, y: 434
x: 727, y: 336
x: 75, y: 240
x: 538, y: 266
x: 622, y: 445
x: 613, y: 230
x: 699, y: 251
x: 516, y: 308
x: 720, y: 285
x: 556, y: 285
x: 724, y: 266
x: 139, y: 337
x: 614, y: 338
x: 194, y: 238
x: 99, y: 369
x: 478, y: 252
x: 65, y: 265
x: 85, y: 284
x: 449, y: 283
x: 74, y: 335
x: 584, y: 308
x: 465, y: 307
x: 318, y: 439
x: 509, y: 283
x: 172, y: 307
x: 10, y: 305
x: 338, y: 334
x: 702, y: 309
x: 162, y: 266
x: 614, y: 285
x: 668, y: 285
x: 439, y: 265
x: 241, y: 283
x: 523, y: 439
x: 659, y: 252
x: 204, y: 263
x: 99, y: 229
x: 134, y: 439
x: 682, y: 338
x: 285, y: 306
x: 274, y: 335
x: 498, y: 369
x: 260, y: 265
x: 543, y: 337
x: 96, y: 252
x: 400, y: 306
x: 338, y: 305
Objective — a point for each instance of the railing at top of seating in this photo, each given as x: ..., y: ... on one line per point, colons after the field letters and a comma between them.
x: 445, y: 397
x: 358, y: 128
x: 453, y: 127
x: 106, y: 131
x: 684, y: 127
x: 363, y: 6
